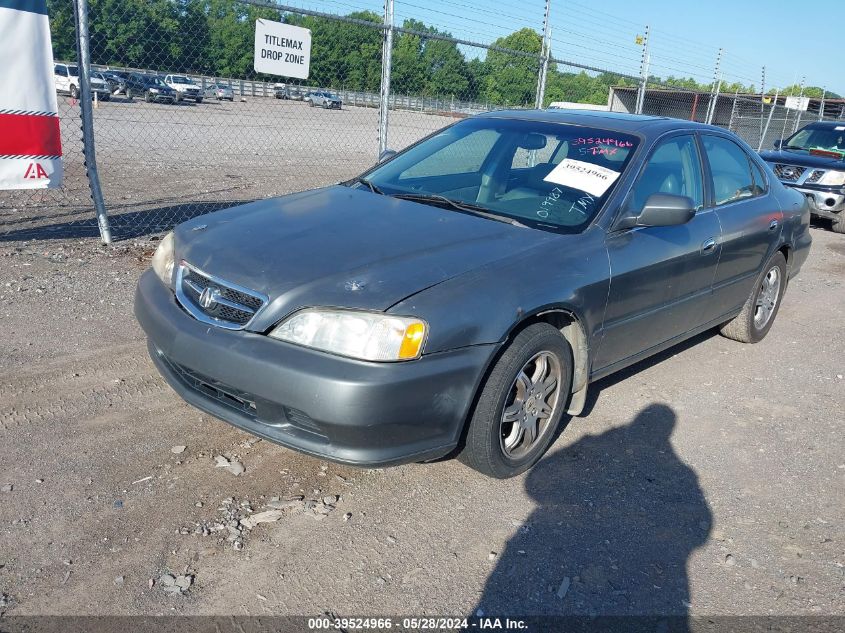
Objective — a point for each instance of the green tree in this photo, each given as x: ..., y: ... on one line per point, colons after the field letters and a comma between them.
x: 512, y: 79
x: 62, y: 29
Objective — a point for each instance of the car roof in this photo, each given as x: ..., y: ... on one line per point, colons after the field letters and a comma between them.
x: 826, y: 125
x: 617, y: 121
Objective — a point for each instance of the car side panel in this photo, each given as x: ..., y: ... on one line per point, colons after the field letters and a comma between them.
x: 569, y: 272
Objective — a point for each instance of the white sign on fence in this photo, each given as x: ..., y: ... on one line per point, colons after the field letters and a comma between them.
x: 282, y: 49
x: 798, y: 103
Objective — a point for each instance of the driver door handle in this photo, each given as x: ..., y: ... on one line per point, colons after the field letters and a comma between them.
x: 708, y: 246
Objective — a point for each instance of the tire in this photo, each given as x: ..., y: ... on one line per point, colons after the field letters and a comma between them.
x: 198, y: 100
x: 148, y: 97
x: 105, y: 98
x: 839, y: 226
x: 74, y: 91
x: 492, y: 444
x: 178, y: 98
x: 753, y: 323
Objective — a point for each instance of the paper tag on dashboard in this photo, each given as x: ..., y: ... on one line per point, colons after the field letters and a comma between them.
x: 583, y: 176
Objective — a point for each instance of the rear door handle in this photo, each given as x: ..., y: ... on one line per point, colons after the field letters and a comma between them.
x: 773, y: 225
x: 708, y: 246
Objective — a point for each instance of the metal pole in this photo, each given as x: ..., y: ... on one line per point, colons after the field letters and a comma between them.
x: 733, y: 111
x: 386, y: 60
x: 644, y: 61
x: 544, y: 62
x: 821, y: 105
x: 717, y: 86
x: 83, y: 53
x: 800, y: 98
x: 768, y: 121
x: 762, y: 100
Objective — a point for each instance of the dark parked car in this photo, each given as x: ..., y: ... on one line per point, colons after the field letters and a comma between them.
x: 813, y: 162
x: 151, y: 88
x: 463, y: 294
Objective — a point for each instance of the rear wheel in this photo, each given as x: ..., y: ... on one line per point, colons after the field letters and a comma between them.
x: 521, y: 404
x: 759, y: 312
x: 74, y: 91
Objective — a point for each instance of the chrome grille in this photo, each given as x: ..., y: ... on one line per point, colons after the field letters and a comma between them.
x: 815, y: 176
x: 789, y: 173
x: 214, y: 301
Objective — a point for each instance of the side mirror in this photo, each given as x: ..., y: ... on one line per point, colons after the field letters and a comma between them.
x: 661, y: 209
x: 386, y: 155
x: 778, y: 143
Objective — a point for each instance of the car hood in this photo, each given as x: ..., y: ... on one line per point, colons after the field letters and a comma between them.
x: 343, y: 247
x: 803, y: 158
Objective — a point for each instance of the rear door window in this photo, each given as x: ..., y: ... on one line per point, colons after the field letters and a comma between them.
x: 731, y: 170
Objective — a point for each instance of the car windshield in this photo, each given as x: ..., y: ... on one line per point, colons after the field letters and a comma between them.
x: 156, y: 81
x: 73, y: 71
x: 824, y: 138
x: 542, y: 174
x: 177, y: 79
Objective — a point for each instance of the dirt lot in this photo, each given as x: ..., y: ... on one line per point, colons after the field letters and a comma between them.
x: 709, y: 481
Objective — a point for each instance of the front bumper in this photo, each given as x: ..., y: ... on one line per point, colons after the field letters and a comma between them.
x: 825, y: 204
x: 344, y: 410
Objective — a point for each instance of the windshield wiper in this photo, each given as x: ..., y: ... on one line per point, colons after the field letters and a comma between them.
x: 434, y: 198
x: 794, y: 147
x: 366, y: 183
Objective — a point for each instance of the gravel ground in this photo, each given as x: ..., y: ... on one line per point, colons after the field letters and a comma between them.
x: 708, y: 481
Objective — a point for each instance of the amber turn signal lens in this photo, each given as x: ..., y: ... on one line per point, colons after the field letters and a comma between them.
x: 412, y: 341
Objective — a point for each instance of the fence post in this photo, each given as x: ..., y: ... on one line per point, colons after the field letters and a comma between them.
x: 821, y: 104
x: 717, y: 86
x: 762, y: 101
x: 83, y: 52
x: 800, y: 98
x: 644, y: 61
x: 544, y: 58
x: 733, y: 111
x: 768, y: 121
x: 386, y: 60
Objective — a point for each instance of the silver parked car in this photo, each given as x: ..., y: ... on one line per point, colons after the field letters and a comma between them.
x: 324, y: 99
x: 220, y: 92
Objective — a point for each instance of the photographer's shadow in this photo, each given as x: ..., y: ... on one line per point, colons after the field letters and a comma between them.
x: 618, y: 516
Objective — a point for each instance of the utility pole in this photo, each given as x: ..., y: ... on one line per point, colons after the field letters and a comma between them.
x: 717, y: 86
x: 768, y: 121
x: 644, y: 62
x: 545, y: 49
x: 386, y: 59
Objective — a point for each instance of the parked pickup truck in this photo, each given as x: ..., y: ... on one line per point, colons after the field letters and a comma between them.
x: 812, y: 161
x: 184, y: 87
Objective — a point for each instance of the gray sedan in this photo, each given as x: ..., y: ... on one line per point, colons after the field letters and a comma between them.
x: 461, y: 296
x: 220, y: 92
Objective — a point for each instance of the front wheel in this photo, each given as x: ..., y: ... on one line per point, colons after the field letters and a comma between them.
x: 759, y: 312
x: 838, y: 225
x: 74, y: 92
x: 521, y: 404
x: 148, y: 97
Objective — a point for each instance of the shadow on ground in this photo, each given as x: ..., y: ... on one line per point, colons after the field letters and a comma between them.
x: 125, y: 224
x: 618, y: 516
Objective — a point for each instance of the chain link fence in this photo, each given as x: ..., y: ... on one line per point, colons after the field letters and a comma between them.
x: 186, y: 126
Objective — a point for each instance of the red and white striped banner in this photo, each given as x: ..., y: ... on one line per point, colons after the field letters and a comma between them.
x: 30, y: 141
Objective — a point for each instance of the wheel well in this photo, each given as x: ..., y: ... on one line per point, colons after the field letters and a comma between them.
x: 573, y: 331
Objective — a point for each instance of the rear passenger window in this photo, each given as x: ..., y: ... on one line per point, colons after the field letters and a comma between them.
x: 731, y: 168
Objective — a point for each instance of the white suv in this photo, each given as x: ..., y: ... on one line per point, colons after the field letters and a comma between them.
x: 67, y: 82
x: 184, y: 87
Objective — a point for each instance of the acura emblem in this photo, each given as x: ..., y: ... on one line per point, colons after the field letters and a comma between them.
x: 209, y: 297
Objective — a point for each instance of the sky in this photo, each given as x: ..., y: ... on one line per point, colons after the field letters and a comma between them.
x: 684, y: 36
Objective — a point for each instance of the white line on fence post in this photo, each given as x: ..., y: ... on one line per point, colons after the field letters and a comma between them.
x: 800, y: 98
x: 717, y: 86
x: 84, y: 55
x: 544, y: 62
x: 762, y: 100
x: 386, y: 60
x: 821, y: 105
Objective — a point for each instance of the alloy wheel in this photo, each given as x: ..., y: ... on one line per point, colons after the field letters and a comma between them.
x: 767, y: 298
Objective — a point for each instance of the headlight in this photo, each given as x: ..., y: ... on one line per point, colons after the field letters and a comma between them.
x: 833, y: 178
x: 163, y: 260
x: 363, y: 335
